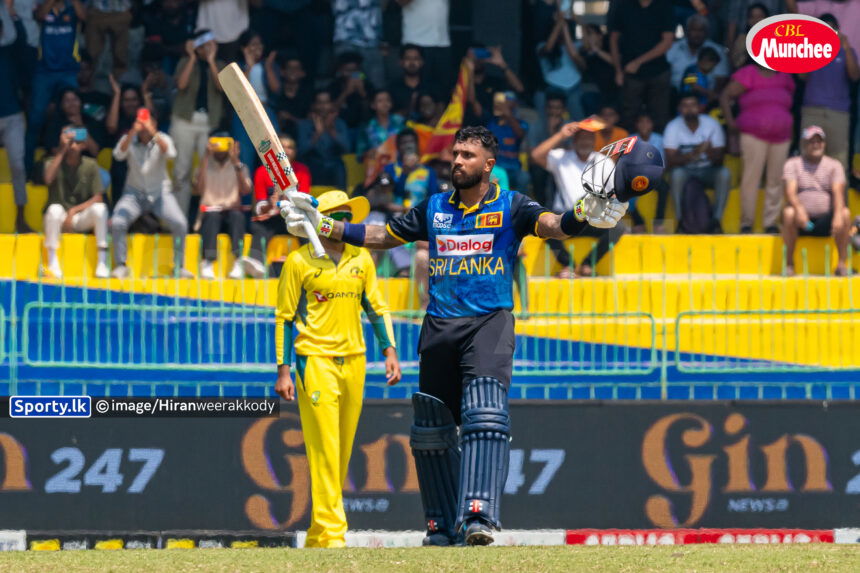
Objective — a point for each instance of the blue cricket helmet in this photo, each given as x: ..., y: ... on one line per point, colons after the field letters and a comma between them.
x: 624, y: 169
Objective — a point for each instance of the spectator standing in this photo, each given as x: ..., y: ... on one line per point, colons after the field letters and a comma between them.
x: 323, y: 138
x: 109, y: 18
x: 827, y: 97
x: 815, y: 199
x: 351, y: 90
x: 221, y: 182
x: 765, y: 123
x: 358, y: 28
x: 739, y: 56
x: 74, y: 201
x: 739, y: 13
x: 169, y: 24
x: 266, y: 221
x: 57, y: 67
x: 405, y: 89
x: 226, y: 19
x: 148, y: 189
x: 562, y: 65
x: 686, y: 51
x: 848, y: 15
x: 641, y: 32
x: 425, y: 24
x: 484, y: 85
x: 599, y: 79
x: 695, y: 146
x: 197, y: 109
x: 12, y: 133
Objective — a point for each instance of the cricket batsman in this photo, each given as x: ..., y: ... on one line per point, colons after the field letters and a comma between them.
x: 323, y: 299
x: 466, y: 344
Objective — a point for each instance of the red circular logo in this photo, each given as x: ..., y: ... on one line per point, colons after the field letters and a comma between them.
x: 792, y: 43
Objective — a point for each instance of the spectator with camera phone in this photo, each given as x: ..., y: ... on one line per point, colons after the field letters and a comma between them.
x: 75, y: 199
x: 222, y: 179
x: 148, y: 189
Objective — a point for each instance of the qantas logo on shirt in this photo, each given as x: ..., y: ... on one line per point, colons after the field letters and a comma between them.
x: 325, y: 297
x: 464, y: 245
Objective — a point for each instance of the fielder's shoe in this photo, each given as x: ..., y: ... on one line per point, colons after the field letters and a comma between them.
x: 120, y: 272
x: 102, y: 271
x: 206, y: 270
x: 478, y: 533
x: 237, y: 272
x: 253, y: 267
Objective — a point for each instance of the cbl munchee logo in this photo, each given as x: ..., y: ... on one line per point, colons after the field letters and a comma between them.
x: 792, y: 43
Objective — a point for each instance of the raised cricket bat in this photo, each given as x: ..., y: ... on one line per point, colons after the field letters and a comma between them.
x: 263, y: 136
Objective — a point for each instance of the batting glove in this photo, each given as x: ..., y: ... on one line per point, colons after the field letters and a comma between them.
x: 600, y: 213
x: 302, y: 207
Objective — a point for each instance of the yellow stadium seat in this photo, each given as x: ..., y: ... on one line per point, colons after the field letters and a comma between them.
x: 354, y: 171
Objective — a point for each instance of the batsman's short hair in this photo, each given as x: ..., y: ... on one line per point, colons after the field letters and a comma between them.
x: 478, y: 133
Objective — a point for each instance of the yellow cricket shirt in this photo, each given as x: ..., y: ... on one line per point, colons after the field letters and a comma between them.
x: 324, y: 301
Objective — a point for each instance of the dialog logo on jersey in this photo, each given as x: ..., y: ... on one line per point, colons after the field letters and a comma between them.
x: 464, y: 245
x: 792, y: 43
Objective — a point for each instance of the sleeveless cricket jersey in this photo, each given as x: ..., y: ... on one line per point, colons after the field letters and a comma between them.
x: 473, y: 250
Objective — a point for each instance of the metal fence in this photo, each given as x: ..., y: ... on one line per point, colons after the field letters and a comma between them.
x: 157, y: 337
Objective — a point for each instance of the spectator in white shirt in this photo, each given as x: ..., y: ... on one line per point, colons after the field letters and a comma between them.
x: 695, y: 145
x: 148, y: 189
x: 566, y: 154
x: 425, y: 24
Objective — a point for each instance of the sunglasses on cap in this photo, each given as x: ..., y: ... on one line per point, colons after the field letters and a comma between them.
x: 341, y: 215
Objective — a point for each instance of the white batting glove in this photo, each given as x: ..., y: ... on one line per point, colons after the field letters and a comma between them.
x: 302, y: 207
x: 600, y: 213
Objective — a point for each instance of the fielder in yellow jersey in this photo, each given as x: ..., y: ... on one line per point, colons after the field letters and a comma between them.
x: 323, y: 299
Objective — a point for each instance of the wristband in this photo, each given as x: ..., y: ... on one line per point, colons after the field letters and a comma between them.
x: 579, y: 211
x: 353, y: 234
x: 569, y: 225
x: 325, y: 226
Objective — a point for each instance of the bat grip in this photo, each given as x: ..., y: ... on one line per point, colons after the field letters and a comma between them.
x: 319, y: 251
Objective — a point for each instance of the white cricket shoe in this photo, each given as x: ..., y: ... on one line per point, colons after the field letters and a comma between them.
x: 206, y: 270
x: 102, y: 271
x: 237, y: 272
x: 253, y: 267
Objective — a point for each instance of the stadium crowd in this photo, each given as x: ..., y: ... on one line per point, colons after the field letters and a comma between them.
x: 355, y: 76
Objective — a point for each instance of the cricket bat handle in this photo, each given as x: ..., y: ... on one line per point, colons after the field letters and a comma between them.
x: 310, y: 231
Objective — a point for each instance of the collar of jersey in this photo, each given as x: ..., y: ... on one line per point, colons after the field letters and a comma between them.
x: 491, y: 195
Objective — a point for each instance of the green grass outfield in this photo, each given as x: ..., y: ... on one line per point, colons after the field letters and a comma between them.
x: 722, y: 558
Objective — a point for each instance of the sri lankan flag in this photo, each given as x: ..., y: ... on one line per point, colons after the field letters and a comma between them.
x: 442, y: 136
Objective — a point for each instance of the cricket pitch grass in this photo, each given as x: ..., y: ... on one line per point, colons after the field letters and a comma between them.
x: 689, y: 558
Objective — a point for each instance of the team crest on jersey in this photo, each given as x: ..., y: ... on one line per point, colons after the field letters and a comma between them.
x: 488, y: 220
x: 442, y: 220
